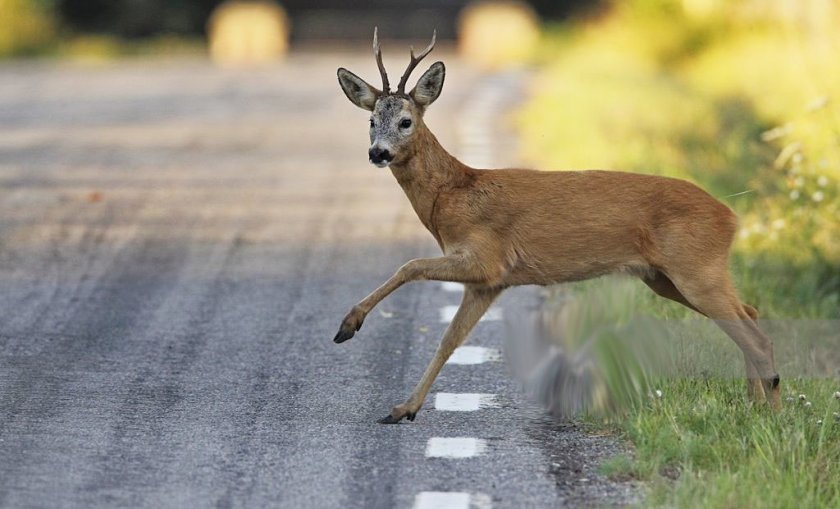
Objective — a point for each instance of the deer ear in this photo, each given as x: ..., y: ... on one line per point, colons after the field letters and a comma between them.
x: 357, y: 90
x: 429, y: 85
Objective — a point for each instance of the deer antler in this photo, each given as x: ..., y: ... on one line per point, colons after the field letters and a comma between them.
x: 386, y: 87
x: 414, y: 61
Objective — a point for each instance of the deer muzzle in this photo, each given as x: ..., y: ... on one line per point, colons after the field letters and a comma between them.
x: 380, y: 157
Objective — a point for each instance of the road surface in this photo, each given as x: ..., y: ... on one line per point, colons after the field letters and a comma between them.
x: 178, y: 245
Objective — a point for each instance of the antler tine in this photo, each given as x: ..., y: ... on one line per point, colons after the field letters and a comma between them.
x: 414, y: 61
x: 386, y: 87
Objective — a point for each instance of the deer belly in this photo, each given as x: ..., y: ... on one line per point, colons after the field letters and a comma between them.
x: 560, y: 264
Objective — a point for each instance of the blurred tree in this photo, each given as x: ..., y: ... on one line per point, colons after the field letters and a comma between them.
x: 26, y: 26
x: 560, y: 9
x: 142, y: 18
x: 136, y: 18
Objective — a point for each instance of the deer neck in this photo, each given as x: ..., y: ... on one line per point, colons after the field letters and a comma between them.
x: 427, y: 171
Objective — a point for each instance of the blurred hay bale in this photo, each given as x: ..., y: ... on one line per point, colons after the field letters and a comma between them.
x: 498, y: 33
x: 243, y: 33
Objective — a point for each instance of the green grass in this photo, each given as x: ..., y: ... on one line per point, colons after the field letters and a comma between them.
x: 702, y: 445
x: 735, y: 99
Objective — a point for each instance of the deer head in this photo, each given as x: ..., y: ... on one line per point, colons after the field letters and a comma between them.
x: 396, y: 116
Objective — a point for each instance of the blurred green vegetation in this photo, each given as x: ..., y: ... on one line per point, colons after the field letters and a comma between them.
x: 136, y: 19
x: 102, y: 29
x: 739, y: 96
x: 27, y: 27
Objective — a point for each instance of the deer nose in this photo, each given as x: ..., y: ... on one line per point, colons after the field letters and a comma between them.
x: 378, y: 155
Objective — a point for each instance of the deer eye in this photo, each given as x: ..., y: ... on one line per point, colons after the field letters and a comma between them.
x: 371, y: 122
x: 405, y: 123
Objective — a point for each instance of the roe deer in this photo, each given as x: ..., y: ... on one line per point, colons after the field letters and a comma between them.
x: 501, y: 228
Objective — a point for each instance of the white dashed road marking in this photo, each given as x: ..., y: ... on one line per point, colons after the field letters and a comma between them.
x: 477, y: 147
x: 464, y: 402
x: 474, y: 355
x: 447, y: 313
x: 451, y: 500
x: 449, y: 286
x: 455, y: 447
x: 442, y: 500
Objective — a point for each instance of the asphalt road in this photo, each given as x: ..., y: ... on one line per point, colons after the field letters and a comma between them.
x: 178, y: 245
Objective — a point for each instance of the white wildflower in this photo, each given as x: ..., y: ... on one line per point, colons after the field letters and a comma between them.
x: 776, y: 133
x: 822, y: 181
x: 778, y: 224
x: 818, y: 196
x: 837, y: 395
x: 786, y: 154
x: 819, y: 422
x: 794, y: 194
x: 658, y: 393
x: 817, y: 104
x: 802, y: 397
x: 807, y: 404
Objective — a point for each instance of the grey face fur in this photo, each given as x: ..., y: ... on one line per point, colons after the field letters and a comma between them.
x: 391, y: 126
x: 394, y: 117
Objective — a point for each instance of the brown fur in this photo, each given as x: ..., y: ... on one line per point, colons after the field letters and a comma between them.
x: 501, y: 228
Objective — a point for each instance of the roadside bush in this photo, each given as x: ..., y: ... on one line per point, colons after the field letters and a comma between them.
x: 27, y: 27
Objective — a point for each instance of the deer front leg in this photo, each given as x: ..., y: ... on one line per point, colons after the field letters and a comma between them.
x: 446, y: 268
x: 475, y: 302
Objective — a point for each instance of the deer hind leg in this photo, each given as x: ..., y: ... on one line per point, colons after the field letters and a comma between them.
x: 664, y: 287
x: 712, y: 293
x: 475, y: 302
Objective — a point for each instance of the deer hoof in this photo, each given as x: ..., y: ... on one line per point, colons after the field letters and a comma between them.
x: 397, y: 414
x: 389, y: 419
x: 350, y: 325
x: 343, y: 335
